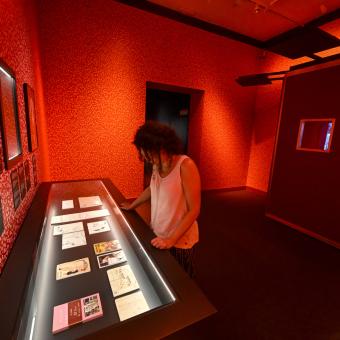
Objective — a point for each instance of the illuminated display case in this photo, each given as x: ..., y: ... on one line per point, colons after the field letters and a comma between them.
x: 167, y: 290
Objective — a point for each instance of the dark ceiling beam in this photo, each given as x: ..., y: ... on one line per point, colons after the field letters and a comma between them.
x: 312, y: 24
x: 191, y: 21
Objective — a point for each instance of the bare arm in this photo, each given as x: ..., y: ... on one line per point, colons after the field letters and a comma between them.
x: 143, y: 197
x: 192, y: 191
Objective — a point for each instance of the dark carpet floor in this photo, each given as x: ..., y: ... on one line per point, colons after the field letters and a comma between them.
x: 266, y: 280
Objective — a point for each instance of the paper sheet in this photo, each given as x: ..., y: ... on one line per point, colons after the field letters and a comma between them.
x: 122, y: 280
x: 98, y: 227
x: 67, y: 228
x: 86, y: 215
x: 68, y: 204
x: 91, y: 201
x: 71, y: 240
x: 131, y: 305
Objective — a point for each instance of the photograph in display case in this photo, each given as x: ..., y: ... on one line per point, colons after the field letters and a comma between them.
x: 91, y: 201
x: 110, y: 259
x: 131, y: 305
x: 27, y: 175
x: 76, y: 311
x: 122, y: 280
x: 106, y: 246
x: 10, y: 128
x: 75, y: 239
x: 22, y: 181
x: 67, y: 228
x: 73, y: 268
x: 15, y: 188
x: 31, y: 120
x: 98, y: 227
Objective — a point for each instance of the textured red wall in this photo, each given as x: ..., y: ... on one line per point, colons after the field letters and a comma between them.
x: 18, y: 49
x: 96, y: 59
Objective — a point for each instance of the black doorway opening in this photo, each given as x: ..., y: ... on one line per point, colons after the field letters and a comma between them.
x: 171, y: 108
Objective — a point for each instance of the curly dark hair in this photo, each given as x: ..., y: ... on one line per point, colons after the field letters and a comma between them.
x: 154, y: 137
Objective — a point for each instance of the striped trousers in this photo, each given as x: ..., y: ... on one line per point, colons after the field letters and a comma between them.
x: 185, y: 257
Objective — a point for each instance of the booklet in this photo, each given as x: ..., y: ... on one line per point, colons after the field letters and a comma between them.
x: 86, y: 215
x: 106, y: 246
x: 98, y: 227
x: 131, y: 305
x: 67, y: 228
x: 67, y: 204
x: 73, y: 268
x: 122, y: 280
x: 110, y: 259
x: 91, y: 201
x: 76, y: 311
x: 71, y: 240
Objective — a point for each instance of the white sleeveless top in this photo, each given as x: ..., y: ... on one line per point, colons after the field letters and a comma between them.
x: 168, y: 206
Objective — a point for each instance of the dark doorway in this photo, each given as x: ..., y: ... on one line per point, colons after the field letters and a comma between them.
x: 171, y: 108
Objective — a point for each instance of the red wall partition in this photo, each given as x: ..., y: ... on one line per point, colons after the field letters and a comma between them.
x: 96, y: 59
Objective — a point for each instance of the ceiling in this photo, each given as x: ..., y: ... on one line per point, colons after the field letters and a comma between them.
x: 292, y: 28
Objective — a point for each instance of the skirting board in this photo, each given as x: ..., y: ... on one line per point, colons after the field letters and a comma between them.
x: 304, y: 230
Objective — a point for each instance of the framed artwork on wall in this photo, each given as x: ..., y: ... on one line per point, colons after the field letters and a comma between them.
x: 35, y: 175
x: 10, y: 130
x: 1, y: 220
x: 15, y: 188
x: 31, y: 121
x: 22, y: 184
x: 27, y: 175
x: 1, y: 157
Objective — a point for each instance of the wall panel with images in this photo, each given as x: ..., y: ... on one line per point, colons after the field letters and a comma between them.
x: 18, y: 51
x: 305, y: 177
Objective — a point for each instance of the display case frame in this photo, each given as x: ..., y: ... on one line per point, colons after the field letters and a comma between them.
x: 189, y: 301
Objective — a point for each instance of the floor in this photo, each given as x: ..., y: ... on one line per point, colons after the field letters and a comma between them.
x: 266, y: 280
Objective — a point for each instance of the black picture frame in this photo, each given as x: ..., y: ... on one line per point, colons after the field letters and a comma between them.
x: 27, y: 175
x: 15, y: 188
x: 1, y: 220
x: 22, y: 181
x: 10, y: 128
x: 31, y: 119
x: 34, y: 166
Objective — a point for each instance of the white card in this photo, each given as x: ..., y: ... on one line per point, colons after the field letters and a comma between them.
x: 91, y: 201
x: 122, y: 280
x: 72, y: 240
x: 67, y: 228
x: 86, y: 215
x: 68, y: 204
x: 131, y: 305
x: 98, y: 227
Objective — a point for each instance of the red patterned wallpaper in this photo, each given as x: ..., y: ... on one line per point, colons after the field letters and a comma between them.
x: 96, y: 59
x: 16, y: 38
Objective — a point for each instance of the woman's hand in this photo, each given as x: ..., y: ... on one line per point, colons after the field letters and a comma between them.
x: 125, y: 205
x: 162, y: 243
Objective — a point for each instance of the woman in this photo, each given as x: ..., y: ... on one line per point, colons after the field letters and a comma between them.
x: 174, y: 191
